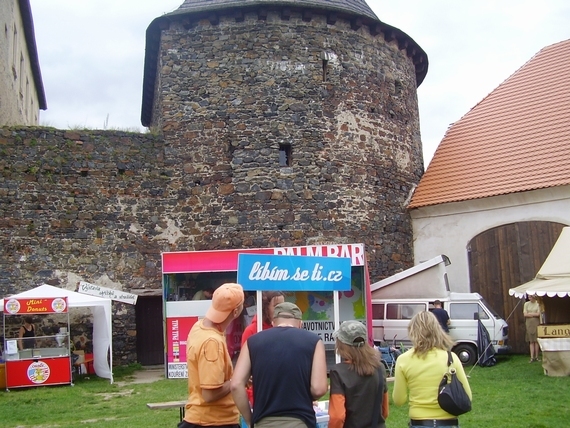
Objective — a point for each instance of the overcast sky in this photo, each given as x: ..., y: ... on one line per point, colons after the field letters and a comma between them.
x: 92, y: 52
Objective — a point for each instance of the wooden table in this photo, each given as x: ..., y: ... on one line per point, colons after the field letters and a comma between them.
x: 168, y: 405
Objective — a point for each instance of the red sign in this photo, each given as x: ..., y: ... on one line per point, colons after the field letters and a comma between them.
x: 38, y: 372
x: 51, y: 305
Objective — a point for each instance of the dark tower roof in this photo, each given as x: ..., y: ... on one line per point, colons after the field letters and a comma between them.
x: 355, y: 10
x: 358, y: 7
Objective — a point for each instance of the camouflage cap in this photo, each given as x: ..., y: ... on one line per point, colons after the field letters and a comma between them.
x: 287, y: 310
x: 351, y: 333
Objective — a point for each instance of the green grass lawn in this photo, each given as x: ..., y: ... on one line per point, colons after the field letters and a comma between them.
x: 513, y: 393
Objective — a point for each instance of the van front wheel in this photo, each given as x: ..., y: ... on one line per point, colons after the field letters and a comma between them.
x: 467, y: 354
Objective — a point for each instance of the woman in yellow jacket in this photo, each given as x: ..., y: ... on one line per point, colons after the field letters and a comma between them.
x: 420, y: 370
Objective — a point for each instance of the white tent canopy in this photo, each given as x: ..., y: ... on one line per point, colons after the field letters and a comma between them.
x: 102, y: 326
x: 553, y: 278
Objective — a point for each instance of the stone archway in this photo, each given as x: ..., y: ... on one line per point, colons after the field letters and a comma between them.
x: 505, y: 257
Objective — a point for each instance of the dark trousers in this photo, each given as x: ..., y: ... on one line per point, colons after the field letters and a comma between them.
x: 185, y: 424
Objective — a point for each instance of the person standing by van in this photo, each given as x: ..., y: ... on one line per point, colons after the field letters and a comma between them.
x: 441, y: 315
x: 531, y: 311
x: 420, y: 370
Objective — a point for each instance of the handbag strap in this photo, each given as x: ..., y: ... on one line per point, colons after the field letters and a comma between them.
x: 449, y: 359
x: 379, y: 394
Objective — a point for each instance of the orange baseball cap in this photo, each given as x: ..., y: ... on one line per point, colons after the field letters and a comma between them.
x: 225, y: 299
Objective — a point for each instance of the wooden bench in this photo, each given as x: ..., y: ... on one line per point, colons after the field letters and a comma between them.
x: 168, y: 405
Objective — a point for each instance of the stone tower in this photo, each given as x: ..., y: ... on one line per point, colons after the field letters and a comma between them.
x: 287, y: 123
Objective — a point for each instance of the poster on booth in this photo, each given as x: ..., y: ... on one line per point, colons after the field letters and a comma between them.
x: 307, y: 275
x: 177, y: 329
x: 308, y: 282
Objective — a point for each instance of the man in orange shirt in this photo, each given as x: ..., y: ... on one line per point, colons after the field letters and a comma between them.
x: 210, y: 369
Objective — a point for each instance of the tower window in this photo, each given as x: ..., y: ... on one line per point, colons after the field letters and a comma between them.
x: 325, y: 64
x: 284, y: 154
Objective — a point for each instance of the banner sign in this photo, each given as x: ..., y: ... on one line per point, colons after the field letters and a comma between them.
x: 52, y: 305
x: 293, y: 273
x: 108, y: 293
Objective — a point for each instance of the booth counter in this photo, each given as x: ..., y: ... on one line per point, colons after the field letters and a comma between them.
x: 555, y: 355
x: 38, y: 366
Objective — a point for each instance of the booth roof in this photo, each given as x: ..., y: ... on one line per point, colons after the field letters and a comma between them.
x: 74, y: 299
x: 553, y: 278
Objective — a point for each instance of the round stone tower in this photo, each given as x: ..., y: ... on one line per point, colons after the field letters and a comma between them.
x: 287, y: 123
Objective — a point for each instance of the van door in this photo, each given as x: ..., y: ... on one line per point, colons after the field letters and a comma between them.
x: 398, y: 316
x: 463, y: 326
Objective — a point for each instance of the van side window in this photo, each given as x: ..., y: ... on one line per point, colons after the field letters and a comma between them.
x: 403, y: 311
x: 377, y: 311
x: 467, y: 311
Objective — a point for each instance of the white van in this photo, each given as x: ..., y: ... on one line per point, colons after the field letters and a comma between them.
x: 390, y: 319
x: 395, y: 300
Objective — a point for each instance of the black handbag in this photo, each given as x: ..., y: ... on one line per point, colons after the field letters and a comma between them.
x: 451, y: 395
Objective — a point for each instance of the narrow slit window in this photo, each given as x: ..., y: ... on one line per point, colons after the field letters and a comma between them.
x: 325, y: 69
x: 284, y: 154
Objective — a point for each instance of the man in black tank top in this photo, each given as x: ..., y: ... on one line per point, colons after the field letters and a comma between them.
x: 289, y: 371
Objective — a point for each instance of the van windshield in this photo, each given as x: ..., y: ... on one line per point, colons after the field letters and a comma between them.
x: 467, y: 311
x: 490, y: 309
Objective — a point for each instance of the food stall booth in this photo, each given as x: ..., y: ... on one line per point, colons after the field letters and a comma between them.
x: 42, y: 360
x: 552, y: 288
x: 188, y: 273
x: 100, y: 309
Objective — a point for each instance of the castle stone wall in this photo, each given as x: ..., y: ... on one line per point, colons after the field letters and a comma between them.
x: 101, y: 206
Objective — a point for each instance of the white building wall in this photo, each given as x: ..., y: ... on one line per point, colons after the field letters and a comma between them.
x: 19, y: 103
x: 448, y: 228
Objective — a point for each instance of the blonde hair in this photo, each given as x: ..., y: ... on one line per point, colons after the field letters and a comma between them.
x: 426, y: 333
x: 365, y: 360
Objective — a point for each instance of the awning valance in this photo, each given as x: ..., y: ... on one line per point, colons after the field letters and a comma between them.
x: 553, y: 278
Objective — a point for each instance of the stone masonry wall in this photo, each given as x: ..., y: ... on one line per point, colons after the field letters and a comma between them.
x: 83, y: 205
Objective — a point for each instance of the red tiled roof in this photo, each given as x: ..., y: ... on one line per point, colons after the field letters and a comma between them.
x: 516, y: 139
